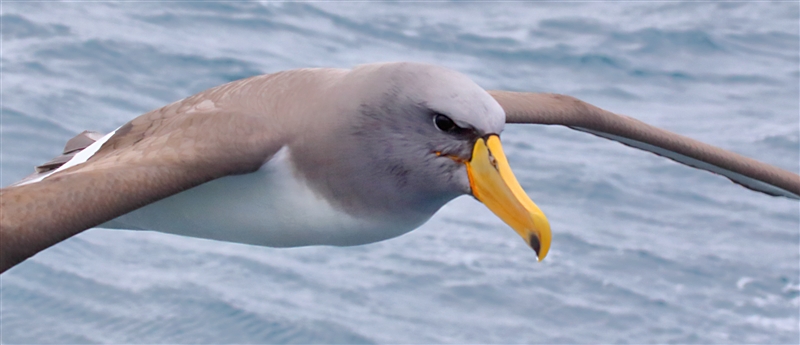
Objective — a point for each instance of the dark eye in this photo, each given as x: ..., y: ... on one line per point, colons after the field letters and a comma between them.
x: 444, y: 123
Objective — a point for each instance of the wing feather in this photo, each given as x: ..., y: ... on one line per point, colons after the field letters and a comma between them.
x: 156, y: 155
x: 554, y: 109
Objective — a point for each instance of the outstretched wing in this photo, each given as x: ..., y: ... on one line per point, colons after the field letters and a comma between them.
x: 160, y: 153
x: 554, y: 109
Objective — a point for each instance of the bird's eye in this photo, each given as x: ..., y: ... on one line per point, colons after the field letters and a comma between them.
x: 444, y: 123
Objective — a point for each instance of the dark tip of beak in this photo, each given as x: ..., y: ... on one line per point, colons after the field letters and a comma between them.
x: 535, y: 245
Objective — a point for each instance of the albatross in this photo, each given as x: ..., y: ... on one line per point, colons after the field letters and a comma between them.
x: 321, y: 157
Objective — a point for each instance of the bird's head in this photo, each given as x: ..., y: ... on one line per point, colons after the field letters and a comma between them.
x: 436, y: 135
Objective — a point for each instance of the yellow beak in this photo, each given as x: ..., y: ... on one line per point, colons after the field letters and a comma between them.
x: 495, y: 186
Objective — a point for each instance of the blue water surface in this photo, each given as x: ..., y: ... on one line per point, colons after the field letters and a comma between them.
x: 644, y: 250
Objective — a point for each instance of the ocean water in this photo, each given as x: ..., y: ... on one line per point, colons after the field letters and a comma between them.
x: 644, y: 250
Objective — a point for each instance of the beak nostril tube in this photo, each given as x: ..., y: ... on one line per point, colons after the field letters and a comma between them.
x: 494, y: 185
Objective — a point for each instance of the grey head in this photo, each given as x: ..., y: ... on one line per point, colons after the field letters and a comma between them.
x: 408, y: 129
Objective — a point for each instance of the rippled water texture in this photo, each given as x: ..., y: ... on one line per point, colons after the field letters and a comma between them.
x: 644, y: 250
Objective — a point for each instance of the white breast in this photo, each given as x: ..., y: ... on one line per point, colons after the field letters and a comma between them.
x: 270, y: 207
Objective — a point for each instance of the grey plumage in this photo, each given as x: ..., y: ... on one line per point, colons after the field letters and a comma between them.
x: 362, y: 140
